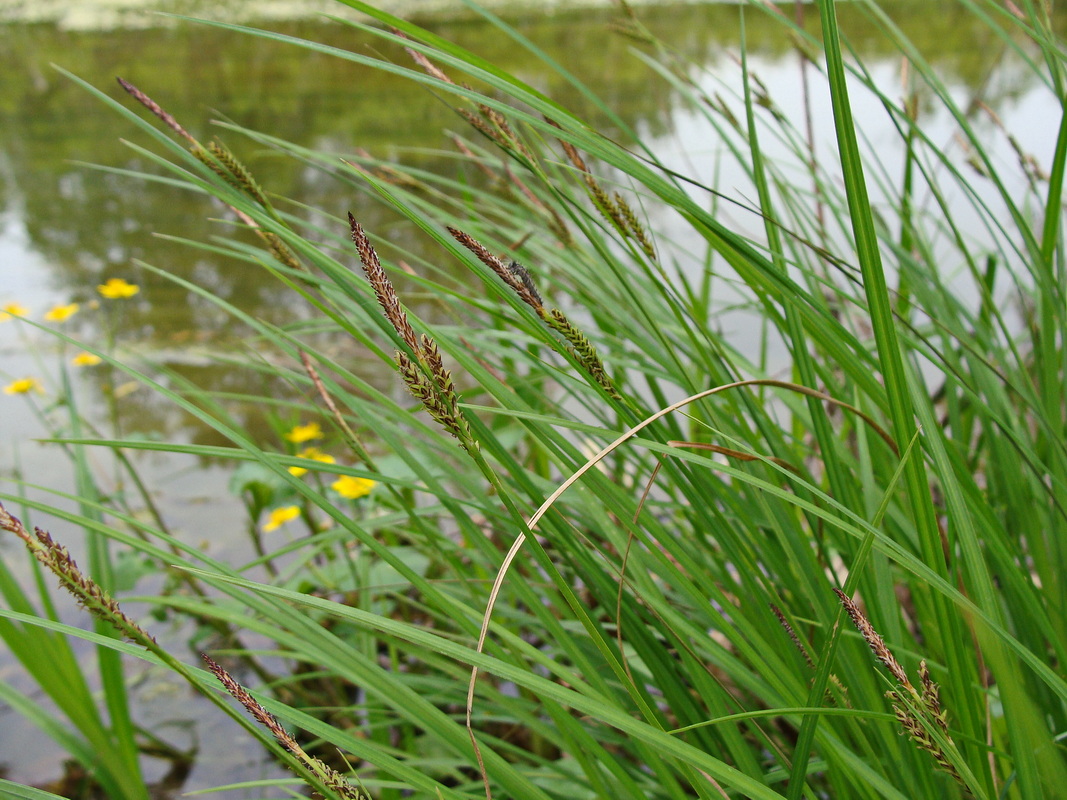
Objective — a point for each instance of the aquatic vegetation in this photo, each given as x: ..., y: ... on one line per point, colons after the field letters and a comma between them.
x: 23, y: 386
x: 599, y: 549
x: 61, y: 313
x: 118, y: 289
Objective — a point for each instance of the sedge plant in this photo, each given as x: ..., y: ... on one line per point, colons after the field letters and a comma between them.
x: 597, y: 550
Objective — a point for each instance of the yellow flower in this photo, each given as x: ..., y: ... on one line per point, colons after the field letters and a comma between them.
x: 13, y: 310
x: 85, y: 360
x: 317, y: 455
x: 350, y: 488
x: 304, y: 433
x: 280, y: 516
x: 23, y: 385
x: 60, y: 313
x: 118, y: 289
x: 312, y: 453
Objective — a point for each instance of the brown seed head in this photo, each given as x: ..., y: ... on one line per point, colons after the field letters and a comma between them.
x: 874, y: 640
x: 89, y: 594
x: 156, y: 109
x: 382, y: 286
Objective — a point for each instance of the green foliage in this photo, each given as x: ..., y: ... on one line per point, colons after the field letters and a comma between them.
x: 17, y: 792
x: 685, y: 640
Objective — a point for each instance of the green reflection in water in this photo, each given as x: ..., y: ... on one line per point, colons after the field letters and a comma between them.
x: 87, y: 225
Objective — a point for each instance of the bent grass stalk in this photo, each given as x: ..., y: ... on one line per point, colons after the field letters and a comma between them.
x: 57, y: 560
x: 531, y: 524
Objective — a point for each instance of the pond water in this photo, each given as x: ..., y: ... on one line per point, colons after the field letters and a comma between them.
x: 65, y: 228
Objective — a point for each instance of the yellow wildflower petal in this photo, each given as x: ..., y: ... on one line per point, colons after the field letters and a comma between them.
x: 312, y: 453
x: 350, y: 488
x: 280, y: 516
x: 304, y: 433
x: 118, y: 289
x: 317, y: 455
x: 86, y: 360
x: 23, y: 385
x: 60, y: 313
x: 13, y: 310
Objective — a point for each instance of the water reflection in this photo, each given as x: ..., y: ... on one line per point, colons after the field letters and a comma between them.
x: 86, y: 225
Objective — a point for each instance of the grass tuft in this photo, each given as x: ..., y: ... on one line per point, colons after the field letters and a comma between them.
x: 625, y: 584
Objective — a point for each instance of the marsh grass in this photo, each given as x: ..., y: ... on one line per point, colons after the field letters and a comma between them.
x: 658, y: 597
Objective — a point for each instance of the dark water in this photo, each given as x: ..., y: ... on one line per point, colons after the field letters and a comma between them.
x: 65, y: 228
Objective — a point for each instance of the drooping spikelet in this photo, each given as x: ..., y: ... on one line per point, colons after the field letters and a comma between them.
x: 425, y: 377
x: 382, y: 286
x: 919, y: 713
x: 89, y: 594
x: 223, y: 163
x: 329, y: 776
x: 518, y: 278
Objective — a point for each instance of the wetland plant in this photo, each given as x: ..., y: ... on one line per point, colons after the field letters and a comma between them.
x: 593, y: 549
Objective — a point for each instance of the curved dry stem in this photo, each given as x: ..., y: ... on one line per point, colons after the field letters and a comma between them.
x: 740, y: 455
x: 726, y: 451
x: 513, y: 551
x: 622, y: 571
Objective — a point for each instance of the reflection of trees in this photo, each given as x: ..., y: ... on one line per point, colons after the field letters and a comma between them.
x: 155, y: 416
x: 90, y: 224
